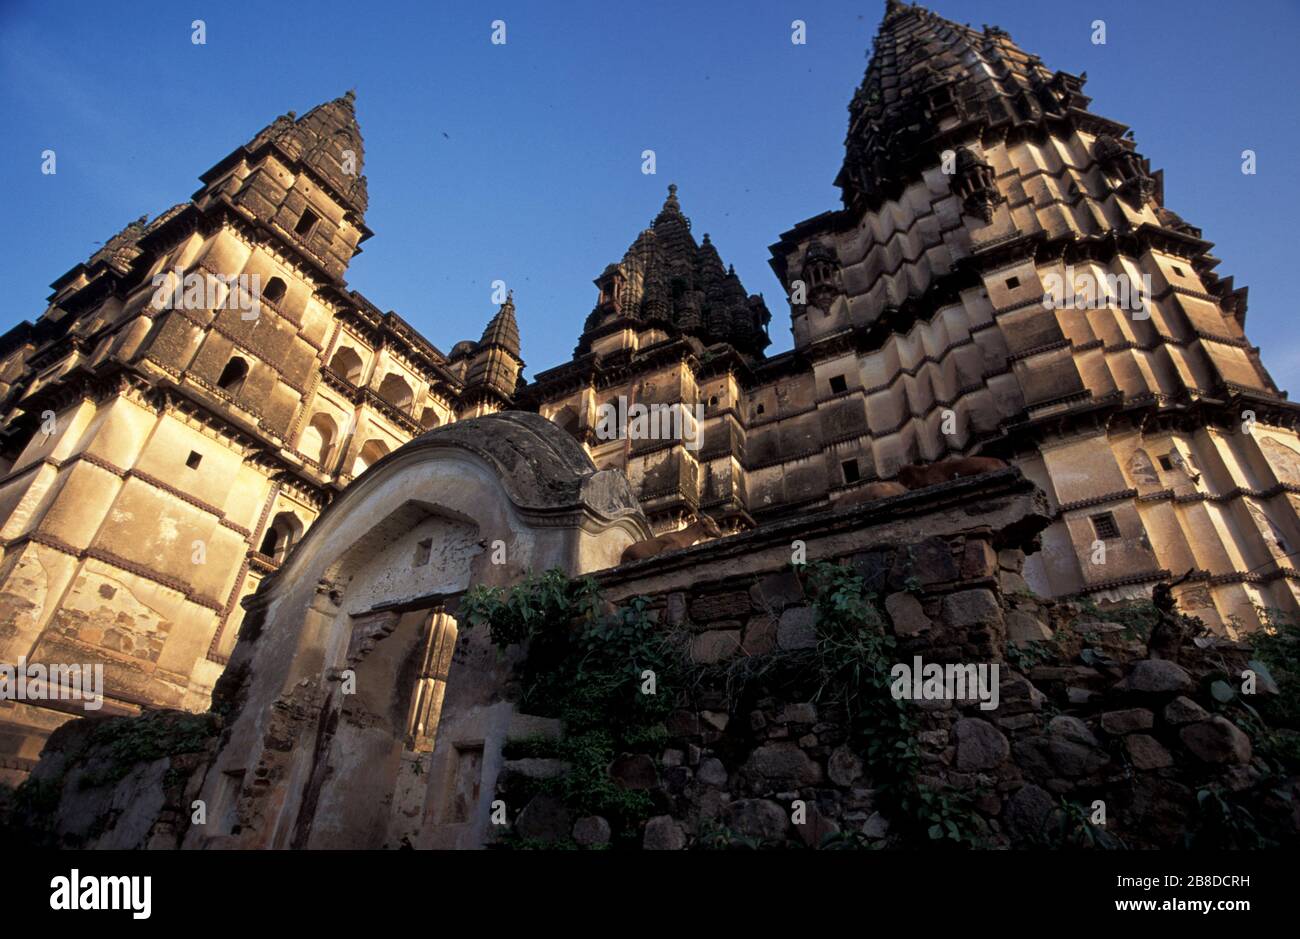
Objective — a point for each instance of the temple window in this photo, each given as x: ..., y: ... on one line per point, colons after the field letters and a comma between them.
x: 233, y: 375
x: 275, y: 290
x: 348, y: 364
x: 306, y: 223
x: 1105, y: 526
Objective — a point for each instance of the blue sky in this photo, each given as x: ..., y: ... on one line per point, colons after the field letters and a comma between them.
x: 523, y: 162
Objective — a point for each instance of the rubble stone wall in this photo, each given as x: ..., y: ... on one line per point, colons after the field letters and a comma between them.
x: 1091, y: 743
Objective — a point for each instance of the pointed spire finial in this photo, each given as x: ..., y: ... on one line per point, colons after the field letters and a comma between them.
x: 502, y: 329
x: 672, y: 208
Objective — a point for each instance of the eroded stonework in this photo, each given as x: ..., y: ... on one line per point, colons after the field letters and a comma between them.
x: 159, y: 463
x: 1003, y: 278
x: 163, y: 449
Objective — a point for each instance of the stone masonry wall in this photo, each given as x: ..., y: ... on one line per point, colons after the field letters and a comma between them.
x: 1092, y: 743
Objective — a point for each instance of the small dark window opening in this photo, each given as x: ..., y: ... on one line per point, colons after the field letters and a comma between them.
x: 306, y: 223
x: 233, y: 375
x: 1178, y: 270
x: 1013, y: 283
x: 1105, y: 527
x: 274, y: 290
x: 268, y: 543
x: 759, y: 409
x: 838, y: 384
x: 422, y: 551
x: 851, y: 472
x: 1166, y: 464
x: 193, y: 460
x: 713, y: 402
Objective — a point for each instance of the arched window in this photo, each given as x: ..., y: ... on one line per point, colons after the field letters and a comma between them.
x: 318, y: 438
x: 347, y: 363
x: 373, y: 451
x: 282, y: 534
x: 233, y: 375
x: 274, y: 290
x: 429, y: 418
x: 396, y: 391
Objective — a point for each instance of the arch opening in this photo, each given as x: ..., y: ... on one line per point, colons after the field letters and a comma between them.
x: 347, y: 364
x: 233, y: 375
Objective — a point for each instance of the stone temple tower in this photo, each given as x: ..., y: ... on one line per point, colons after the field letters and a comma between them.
x: 672, y: 327
x: 1004, y: 277
x: 493, y: 365
x: 193, y: 396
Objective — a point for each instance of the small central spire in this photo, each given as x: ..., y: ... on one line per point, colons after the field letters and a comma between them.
x: 672, y: 208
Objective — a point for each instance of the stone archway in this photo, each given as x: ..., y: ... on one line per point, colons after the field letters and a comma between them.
x: 350, y: 715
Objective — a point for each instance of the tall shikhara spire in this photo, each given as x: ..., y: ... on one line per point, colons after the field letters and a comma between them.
x: 327, y: 140
x: 1010, y: 281
x: 669, y: 279
x: 932, y: 82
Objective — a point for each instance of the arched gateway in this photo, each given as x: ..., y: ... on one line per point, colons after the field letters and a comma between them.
x: 356, y: 717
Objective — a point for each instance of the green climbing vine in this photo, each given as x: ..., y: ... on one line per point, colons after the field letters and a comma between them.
x: 115, y: 746
x: 855, y: 654
x: 608, y: 673
x: 588, y: 664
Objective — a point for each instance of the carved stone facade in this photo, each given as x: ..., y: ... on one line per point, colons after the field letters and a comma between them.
x: 159, y: 458
x: 355, y: 713
x: 158, y: 461
x: 976, y: 185
x: 372, y: 589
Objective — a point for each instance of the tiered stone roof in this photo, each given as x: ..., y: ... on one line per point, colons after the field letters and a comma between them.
x: 495, y: 364
x: 319, y: 139
x: 502, y: 330
x: 929, y: 79
x: 668, y: 279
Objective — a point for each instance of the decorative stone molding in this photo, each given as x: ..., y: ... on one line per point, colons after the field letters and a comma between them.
x: 1135, y: 185
x: 975, y: 184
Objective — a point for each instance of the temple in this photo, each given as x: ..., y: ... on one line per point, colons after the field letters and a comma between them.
x: 160, y: 456
x: 1002, y: 278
